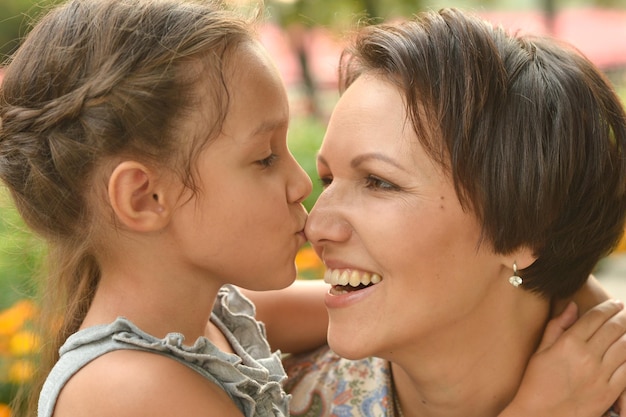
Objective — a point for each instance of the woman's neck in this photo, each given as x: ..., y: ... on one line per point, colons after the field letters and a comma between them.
x: 473, y: 368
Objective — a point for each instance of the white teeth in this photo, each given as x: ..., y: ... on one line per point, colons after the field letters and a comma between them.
x: 350, y: 277
x: 344, y: 278
x: 355, y: 279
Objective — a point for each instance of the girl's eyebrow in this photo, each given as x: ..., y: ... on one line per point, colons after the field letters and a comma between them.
x: 269, y: 126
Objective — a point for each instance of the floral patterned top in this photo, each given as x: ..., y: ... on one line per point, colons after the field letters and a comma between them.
x: 324, y: 385
x: 252, y: 377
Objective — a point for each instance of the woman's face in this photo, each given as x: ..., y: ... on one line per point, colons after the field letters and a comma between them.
x: 388, y: 212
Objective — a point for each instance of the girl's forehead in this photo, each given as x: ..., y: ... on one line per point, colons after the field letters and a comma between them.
x: 257, y: 99
x: 248, y: 58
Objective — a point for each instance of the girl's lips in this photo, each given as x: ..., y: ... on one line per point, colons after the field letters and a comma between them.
x: 301, y: 237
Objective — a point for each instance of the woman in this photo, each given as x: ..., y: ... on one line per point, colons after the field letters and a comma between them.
x: 471, y: 177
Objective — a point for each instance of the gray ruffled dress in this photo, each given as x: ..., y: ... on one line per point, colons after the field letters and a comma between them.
x: 253, y: 377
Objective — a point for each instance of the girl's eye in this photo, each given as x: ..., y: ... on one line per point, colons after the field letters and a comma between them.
x: 375, y: 183
x: 269, y: 161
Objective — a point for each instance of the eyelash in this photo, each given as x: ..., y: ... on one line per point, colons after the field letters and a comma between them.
x: 371, y: 181
x: 269, y: 161
x: 325, y: 181
x: 375, y: 183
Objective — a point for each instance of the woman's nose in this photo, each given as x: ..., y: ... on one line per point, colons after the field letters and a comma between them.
x: 327, y: 222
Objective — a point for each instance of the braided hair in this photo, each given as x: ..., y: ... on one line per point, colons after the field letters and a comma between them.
x: 95, y: 80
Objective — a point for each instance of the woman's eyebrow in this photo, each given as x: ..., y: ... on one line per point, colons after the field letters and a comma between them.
x: 358, y: 160
x: 322, y: 160
x: 365, y: 157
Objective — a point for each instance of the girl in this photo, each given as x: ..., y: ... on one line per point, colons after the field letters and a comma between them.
x: 146, y: 142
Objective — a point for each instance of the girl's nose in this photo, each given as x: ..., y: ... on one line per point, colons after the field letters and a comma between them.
x: 299, y: 185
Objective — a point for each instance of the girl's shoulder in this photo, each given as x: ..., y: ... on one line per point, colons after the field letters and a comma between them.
x: 134, y: 364
x: 136, y: 383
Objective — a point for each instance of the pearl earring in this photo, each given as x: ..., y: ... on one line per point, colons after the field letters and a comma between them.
x: 515, y: 279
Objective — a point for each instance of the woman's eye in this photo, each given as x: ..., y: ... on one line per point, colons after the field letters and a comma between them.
x: 325, y: 181
x: 269, y: 161
x: 375, y: 183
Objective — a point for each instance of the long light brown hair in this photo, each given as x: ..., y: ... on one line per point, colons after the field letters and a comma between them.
x: 95, y: 79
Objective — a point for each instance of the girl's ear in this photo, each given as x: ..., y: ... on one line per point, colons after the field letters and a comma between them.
x: 138, y: 198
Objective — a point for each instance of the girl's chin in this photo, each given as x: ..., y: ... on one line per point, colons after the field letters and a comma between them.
x: 282, y: 284
x: 275, y: 282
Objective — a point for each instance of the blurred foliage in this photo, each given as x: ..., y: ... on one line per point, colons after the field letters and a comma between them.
x: 17, y: 15
x: 19, y: 347
x: 309, y: 264
x: 15, y: 19
x: 343, y: 14
x: 20, y: 253
x: 340, y: 14
x: 305, y: 137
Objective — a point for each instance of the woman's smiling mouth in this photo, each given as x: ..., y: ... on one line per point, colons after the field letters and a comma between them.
x: 348, y: 280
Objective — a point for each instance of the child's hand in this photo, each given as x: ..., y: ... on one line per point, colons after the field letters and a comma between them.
x: 579, y: 370
x: 587, y: 297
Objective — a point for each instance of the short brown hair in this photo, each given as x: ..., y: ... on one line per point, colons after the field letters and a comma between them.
x: 530, y: 131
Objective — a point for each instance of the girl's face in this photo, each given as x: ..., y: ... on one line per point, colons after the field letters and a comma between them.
x: 246, y: 223
x: 389, y: 214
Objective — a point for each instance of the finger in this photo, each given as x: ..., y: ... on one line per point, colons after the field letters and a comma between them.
x: 592, y: 320
x: 614, y: 361
x: 620, y: 404
x: 558, y: 325
x: 617, y: 387
x: 614, y: 387
x: 607, y: 336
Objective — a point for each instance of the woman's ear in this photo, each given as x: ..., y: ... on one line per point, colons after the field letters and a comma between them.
x: 138, y: 198
x: 523, y: 258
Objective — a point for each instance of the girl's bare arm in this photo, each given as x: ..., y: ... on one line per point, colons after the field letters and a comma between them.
x: 295, y: 318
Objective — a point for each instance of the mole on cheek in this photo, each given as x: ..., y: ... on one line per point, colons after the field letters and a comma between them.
x: 441, y: 206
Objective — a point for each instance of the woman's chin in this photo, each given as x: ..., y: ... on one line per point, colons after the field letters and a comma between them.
x: 347, y: 346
